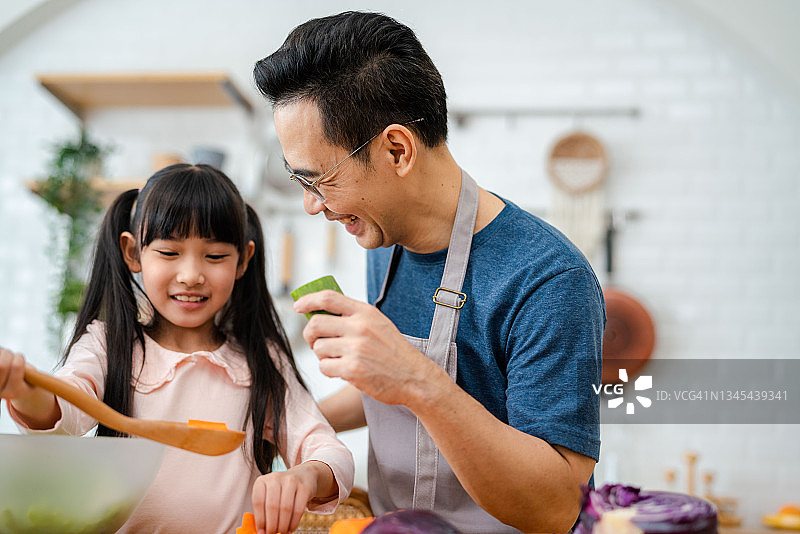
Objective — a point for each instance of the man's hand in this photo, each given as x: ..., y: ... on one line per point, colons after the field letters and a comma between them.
x: 363, y: 347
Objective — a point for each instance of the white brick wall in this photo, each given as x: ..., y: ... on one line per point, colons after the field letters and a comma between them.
x: 710, y: 167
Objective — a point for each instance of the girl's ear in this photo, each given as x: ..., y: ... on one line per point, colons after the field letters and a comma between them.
x: 127, y: 244
x: 248, y: 255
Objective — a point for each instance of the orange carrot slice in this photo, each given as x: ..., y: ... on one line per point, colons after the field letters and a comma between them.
x: 248, y: 524
x: 350, y: 526
x: 207, y: 424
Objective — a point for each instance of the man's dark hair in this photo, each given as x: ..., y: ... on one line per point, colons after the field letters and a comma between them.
x: 364, y: 71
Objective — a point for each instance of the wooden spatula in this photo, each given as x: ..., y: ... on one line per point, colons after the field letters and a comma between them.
x: 210, y: 442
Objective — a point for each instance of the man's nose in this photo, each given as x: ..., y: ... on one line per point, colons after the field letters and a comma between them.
x: 312, y: 204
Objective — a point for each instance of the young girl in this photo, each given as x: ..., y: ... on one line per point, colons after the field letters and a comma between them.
x: 197, y: 339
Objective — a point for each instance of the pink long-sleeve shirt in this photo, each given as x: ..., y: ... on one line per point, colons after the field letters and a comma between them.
x: 192, y: 492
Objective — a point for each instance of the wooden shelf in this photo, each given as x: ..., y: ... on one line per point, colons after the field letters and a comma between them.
x: 81, y: 93
x: 108, y: 189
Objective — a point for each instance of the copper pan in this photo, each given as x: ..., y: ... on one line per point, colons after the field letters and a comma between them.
x: 630, y: 335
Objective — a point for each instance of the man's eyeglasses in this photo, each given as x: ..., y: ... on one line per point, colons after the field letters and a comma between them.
x: 311, y: 187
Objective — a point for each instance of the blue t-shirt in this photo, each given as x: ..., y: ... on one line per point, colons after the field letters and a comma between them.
x: 530, y: 333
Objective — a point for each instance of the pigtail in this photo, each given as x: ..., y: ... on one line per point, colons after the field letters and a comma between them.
x: 255, y: 325
x: 110, y: 297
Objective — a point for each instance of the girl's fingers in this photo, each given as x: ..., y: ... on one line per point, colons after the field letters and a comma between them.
x: 5, y: 367
x: 301, y: 499
x: 285, y: 510
x: 12, y: 374
x: 259, y: 503
x: 16, y: 377
x: 272, y: 504
x: 4, y: 372
x: 279, y: 500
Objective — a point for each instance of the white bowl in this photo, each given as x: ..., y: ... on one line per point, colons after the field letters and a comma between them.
x: 67, y: 484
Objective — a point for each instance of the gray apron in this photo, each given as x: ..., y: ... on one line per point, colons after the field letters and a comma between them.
x: 406, y: 469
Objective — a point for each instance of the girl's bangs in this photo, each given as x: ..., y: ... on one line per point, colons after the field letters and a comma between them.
x: 193, y: 204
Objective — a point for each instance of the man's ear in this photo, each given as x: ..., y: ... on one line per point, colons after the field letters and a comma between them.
x: 127, y: 244
x: 245, y: 260
x: 402, y: 148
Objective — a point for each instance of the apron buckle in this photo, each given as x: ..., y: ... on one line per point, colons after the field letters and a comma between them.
x: 460, y: 298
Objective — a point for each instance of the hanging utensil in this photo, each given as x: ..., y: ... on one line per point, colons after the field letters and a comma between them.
x: 273, y: 172
x: 292, y: 321
x: 330, y: 246
x: 288, y: 260
x: 629, y: 337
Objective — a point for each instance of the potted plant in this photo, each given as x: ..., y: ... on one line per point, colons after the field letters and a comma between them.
x: 68, y: 189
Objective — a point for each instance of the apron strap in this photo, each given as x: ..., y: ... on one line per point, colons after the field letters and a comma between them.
x: 449, y: 299
x: 393, y: 261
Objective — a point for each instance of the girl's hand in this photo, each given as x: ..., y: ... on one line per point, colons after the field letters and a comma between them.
x: 36, y: 407
x: 279, y: 499
x: 12, y: 376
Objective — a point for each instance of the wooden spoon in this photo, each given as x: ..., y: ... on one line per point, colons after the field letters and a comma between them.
x: 210, y: 442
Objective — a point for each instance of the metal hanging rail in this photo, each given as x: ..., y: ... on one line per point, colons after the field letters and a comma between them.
x: 461, y: 116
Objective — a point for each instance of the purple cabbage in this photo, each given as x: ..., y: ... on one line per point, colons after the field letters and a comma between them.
x: 410, y: 522
x: 655, y: 511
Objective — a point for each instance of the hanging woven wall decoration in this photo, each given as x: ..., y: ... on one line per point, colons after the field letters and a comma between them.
x: 578, y: 167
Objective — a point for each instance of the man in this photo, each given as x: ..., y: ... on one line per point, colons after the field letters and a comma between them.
x: 484, y: 320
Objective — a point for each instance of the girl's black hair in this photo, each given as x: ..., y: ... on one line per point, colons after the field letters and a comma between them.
x: 183, y: 201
